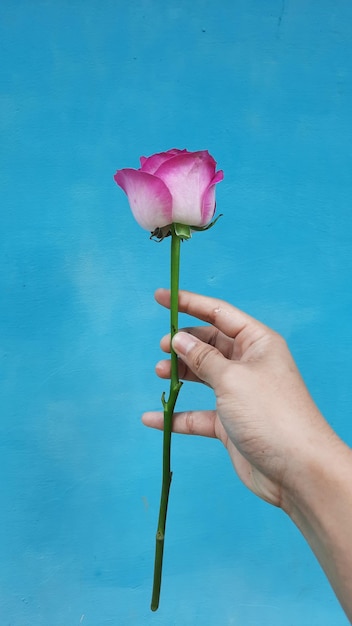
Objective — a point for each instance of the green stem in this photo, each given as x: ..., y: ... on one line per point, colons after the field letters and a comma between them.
x: 169, y: 406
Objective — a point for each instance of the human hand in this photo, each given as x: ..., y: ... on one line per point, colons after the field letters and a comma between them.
x: 264, y: 414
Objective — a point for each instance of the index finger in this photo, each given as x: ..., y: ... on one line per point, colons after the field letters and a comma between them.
x: 225, y: 317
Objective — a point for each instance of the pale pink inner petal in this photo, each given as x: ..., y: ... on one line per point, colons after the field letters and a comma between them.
x: 152, y: 163
x: 148, y: 196
x: 188, y: 176
x: 208, y: 205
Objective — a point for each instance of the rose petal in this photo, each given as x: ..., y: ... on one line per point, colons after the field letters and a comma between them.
x: 188, y: 176
x: 148, y: 196
x: 208, y: 204
x: 152, y: 163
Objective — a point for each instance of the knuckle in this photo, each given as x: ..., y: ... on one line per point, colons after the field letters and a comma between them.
x: 201, y: 357
x: 213, y: 315
x: 276, y: 339
x: 189, y: 419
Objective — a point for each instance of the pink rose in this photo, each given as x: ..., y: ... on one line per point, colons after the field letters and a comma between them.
x: 176, y: 186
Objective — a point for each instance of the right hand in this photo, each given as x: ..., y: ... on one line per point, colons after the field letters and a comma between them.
x: 264, y: 414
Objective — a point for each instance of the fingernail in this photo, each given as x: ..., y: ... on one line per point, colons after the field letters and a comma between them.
x: 183, y: 343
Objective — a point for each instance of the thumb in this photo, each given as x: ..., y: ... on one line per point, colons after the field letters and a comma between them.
x: 205, y: 361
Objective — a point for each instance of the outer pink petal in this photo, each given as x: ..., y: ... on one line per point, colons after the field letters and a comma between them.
x: 149, y: 198
x: 188, y: 176
x: 208, y: 206
x: 152, y: 163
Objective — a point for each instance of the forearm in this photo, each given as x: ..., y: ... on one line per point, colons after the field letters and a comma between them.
x: 319, y: 501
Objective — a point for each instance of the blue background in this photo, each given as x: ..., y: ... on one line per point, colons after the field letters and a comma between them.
x: 86, y: 87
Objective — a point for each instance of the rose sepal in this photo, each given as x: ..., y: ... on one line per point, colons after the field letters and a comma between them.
x: 200, y: 228
x: 183, y: 231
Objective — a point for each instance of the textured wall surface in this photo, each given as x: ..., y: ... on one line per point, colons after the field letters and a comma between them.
x: 86, y: 87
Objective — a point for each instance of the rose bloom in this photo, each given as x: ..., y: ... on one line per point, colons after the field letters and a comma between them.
x: 173, y: 186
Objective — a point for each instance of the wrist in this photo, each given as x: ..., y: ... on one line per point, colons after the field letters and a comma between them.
x: 319, y: 502
x: 322, y: 469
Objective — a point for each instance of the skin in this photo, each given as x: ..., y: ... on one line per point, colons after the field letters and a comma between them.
x: 280, y: 445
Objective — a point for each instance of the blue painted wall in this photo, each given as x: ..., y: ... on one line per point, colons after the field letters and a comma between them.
x: 87, y: 87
